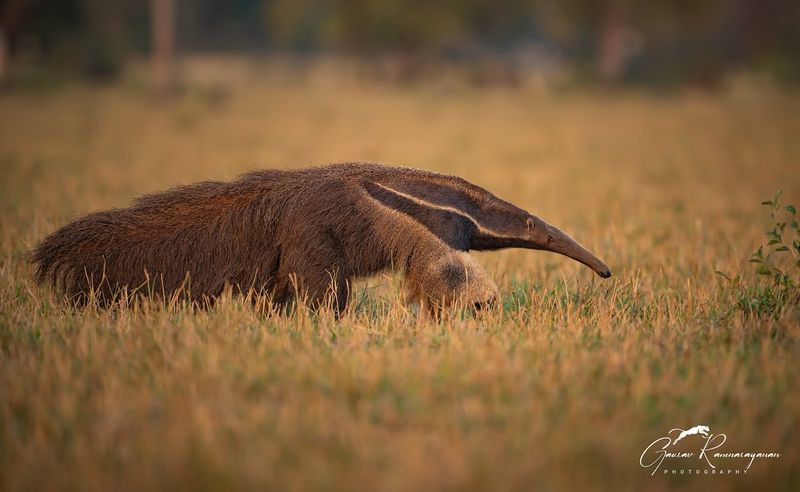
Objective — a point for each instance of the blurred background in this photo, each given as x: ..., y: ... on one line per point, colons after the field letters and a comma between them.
x: 552, y: 43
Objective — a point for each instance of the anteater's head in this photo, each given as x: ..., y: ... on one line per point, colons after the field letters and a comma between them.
x: 541, y: 235
x: 499, y: 224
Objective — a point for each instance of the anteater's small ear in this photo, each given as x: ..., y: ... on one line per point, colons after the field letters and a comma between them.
x: 530, y: 224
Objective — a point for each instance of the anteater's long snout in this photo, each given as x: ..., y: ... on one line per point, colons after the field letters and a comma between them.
x: 560, y: 242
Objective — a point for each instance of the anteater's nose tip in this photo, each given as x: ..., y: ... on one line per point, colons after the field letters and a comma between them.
x: 605, y: 273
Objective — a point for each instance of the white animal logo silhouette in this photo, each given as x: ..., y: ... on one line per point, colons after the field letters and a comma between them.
x: 697, y: 429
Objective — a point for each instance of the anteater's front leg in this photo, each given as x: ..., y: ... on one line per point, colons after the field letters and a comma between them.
x: 440, y: 277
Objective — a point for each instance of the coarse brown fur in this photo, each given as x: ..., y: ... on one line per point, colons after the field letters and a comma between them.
x: 307, y: 231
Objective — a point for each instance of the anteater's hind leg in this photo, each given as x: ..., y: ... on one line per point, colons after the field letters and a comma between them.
x: 329, y: 288
x: 318, y: 276
x: 336, y: 292
x: 443, y: 277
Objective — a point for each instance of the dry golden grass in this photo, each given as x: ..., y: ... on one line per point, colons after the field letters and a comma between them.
x: 562, y: 387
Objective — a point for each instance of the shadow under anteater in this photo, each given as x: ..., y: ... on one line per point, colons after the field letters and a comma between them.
x: 309, y: 231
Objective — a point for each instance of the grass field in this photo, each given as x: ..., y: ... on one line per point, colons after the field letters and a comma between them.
x: 561, y: 387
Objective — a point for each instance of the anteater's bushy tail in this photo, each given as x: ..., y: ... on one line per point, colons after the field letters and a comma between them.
x: 193, y: 239
x: 68, y: 259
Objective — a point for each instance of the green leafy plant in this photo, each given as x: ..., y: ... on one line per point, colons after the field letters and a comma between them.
x: 777, y: 261
x: 782, y: 259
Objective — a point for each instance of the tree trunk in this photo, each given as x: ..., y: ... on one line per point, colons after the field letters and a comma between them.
x: 163, y: 38
x: 3, y: 57
x: 611, y: 46
x: 10, y: 19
